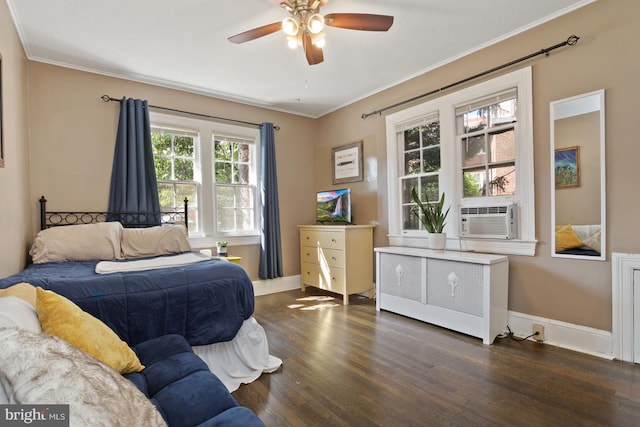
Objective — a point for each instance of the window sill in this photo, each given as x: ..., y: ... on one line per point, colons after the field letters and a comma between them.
x: 495, y: 246
x: 208, y: 242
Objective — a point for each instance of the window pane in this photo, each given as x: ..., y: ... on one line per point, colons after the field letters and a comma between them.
x: 188, y: 191
x: 244, y: 197
x: 165, y: 194
x: 163, y: 168
x: 412, y: 139
x: 503, y: 112
x: 411, y: 220
x: 245, y: 220
x: 502, y: 146
x: 224, y: 196
x: 411, y: 162
x: 502, y: 180
x: 161, y: 144
x: 430, y: 186
x: 184, y: 169
x: 474, y: 183
x: 407, y: 185
x: 225, y: 221
x: 183, y: 146
x: 473, y: 151
x: 223, y: 150
x: 476, y: 120
x: 431, y: 134
x: 223, y: 173
x: 431, y: 159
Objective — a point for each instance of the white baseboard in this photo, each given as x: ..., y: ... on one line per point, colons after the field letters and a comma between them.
x: 566, y: 335
x: 279, y: 284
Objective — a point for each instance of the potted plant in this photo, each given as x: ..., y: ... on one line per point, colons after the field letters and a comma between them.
x: 433, y: 219
x: 222, y: 247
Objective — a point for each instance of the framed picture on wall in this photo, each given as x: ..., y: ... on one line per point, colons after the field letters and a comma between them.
x: 347, y: 163
x: 567, y: 167
x: 1, y: 141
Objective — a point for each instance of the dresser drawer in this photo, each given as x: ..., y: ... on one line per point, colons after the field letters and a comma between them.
x: 331, y: 257
x: 331, y: 278
x: 324, y: 239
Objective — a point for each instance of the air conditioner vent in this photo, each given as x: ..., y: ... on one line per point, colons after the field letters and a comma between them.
x: 489, y: 222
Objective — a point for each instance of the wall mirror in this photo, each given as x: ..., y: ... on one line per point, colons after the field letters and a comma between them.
x: 578, y: 177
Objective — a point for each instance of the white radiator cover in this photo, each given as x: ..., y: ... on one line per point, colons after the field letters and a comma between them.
x: 489, y: 222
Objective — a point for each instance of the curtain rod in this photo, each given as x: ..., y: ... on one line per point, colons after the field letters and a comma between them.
x: 571, y: 41
x: 107, y: 98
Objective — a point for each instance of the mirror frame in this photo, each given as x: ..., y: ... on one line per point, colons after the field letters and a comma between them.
x: 570, y: 107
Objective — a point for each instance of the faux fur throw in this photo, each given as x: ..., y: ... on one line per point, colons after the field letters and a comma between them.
x: 43, y: 369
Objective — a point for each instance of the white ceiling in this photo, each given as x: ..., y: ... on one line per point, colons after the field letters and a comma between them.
x: 183, y: 44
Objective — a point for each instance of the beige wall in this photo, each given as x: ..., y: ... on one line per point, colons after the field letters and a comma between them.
x: 72, y: 138
x: 15, y: 227
x: 72, y: 135
x: 573, y: 291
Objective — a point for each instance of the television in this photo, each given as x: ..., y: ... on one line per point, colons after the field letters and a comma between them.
x: 334, y: 206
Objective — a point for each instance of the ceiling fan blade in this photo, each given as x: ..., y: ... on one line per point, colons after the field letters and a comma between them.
x: 314, y: 54
x: 256, y: 33
x: 359, y: 21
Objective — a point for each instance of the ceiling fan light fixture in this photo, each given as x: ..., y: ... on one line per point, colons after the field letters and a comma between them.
x: 318, y: 40
x: 292, y: 42
x: 290, y: 26
x: 315, y: 23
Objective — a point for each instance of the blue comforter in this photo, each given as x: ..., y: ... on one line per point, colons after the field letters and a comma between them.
x: 205, y: 302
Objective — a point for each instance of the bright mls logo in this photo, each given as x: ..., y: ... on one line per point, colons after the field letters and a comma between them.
x: 34, y: 415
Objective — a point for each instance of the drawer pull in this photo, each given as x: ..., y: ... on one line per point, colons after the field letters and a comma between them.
x: 333, y: 258
x: 333, y: 240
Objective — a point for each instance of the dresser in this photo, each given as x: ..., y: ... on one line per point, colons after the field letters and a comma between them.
x: 337, y: 258
x: 463, y: 291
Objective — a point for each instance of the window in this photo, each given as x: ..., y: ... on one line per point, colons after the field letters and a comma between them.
x: 216, y: 167
x: 235, y: 187
x: 174, y: 159
x: 474, y: 145
x: 486, y: 132
x: 420, y: 146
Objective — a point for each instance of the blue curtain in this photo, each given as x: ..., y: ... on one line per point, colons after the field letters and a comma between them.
x: 270, y: 247
x: 133, y: 179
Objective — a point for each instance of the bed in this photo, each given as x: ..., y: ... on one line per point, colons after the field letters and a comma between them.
x: 144, y: 281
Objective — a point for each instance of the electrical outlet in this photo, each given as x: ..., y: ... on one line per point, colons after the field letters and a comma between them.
x: 539, y: 330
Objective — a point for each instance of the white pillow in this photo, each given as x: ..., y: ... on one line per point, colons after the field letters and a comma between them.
x: 43, y: 369
x: 17, y: 313
x: 152, y: 241
x: 85, y: 242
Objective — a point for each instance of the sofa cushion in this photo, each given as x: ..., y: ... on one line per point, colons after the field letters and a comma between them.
x: 37, y: 368
x: 180, y: 383
x: 61, y: 317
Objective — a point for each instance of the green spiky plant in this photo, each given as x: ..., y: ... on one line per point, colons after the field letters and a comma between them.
x: 433, y: 214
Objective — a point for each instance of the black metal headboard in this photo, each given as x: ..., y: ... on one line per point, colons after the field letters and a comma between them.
x: 127, y: 219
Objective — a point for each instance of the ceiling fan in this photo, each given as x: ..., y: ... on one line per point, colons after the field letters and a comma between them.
x: 304, y: 26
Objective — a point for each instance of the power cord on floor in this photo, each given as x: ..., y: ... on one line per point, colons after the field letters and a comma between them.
x: 509, y: 334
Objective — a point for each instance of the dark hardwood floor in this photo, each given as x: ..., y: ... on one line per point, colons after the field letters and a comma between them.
x: 353, y: 366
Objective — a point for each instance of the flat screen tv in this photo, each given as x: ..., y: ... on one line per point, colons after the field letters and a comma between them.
x: 334, y: 206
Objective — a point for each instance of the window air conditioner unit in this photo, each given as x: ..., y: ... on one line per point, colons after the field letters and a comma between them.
x: 489, y: 222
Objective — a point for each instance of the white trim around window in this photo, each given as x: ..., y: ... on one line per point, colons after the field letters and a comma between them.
x: 204, y: 175
x: 450, y: 176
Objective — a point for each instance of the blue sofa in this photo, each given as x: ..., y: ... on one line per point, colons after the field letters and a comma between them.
x: 183, y: 388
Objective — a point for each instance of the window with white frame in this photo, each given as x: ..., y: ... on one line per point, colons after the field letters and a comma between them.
x: 475, y: 146
x: 215, y: 166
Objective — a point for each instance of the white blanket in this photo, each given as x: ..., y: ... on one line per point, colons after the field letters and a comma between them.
x: 108, y: 267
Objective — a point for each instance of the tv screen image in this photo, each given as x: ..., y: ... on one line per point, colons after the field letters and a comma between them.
x: 334, y: 206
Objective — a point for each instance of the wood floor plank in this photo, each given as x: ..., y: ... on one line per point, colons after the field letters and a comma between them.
x: 353, y: 366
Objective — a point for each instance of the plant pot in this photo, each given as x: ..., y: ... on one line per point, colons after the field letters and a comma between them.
x: 437, y: 241
x: 222, y: 251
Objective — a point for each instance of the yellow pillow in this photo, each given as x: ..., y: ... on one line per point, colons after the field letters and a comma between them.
x: 61, y: 317
x: 24, y: 291
x: 566, y: 238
